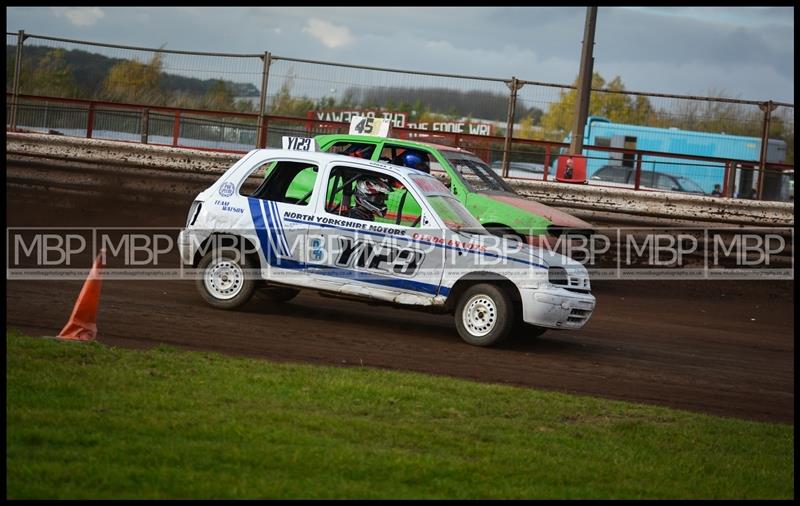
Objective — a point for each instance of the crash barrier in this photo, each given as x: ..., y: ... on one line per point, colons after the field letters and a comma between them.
x: 596, y: 204
x: 237, y: 131
x: 493, y: 104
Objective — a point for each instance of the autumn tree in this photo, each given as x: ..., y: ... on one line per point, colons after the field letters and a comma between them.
x: 726, y: 117
x: 715, y: 116
x: 218, y: 97
x: 284, y: 104
x: 49, y: 76
x: 135, y: 82
x: 611, y: 103
x: 525, y: 128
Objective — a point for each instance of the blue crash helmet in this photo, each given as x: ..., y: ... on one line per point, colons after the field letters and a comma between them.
x: 415, y: 160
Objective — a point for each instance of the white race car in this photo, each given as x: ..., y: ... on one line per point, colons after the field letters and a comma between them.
x: 280, y: 220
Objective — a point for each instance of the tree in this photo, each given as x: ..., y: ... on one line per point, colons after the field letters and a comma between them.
x: 525, y: 129
x: 50, y: 76
x: 285, y: 104
x: 135, y: 82
x: 218, y: 97
x: 610, y: 103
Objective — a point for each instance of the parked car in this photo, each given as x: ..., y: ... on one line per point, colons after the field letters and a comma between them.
x: 624, y: 177
x: 522, y: 170
x: 247, y: 233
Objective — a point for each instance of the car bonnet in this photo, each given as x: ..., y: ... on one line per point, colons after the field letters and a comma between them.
x: 558, y: 218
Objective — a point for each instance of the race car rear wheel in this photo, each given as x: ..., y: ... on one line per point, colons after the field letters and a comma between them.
x: 484, y: 315
x: 224, y: 282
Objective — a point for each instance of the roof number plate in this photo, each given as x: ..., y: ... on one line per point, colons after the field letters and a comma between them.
x: 365, y: 125
x: 299, y: 143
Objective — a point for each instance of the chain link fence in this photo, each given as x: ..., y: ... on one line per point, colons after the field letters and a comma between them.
x: 266, y: 96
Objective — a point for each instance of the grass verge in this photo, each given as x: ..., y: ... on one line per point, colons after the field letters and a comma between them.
x: 89, y: 421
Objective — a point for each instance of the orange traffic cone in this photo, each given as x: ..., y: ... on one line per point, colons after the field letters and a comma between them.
x: 82, y: 325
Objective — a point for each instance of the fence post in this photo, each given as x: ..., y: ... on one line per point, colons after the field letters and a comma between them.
x: 17, y: 71
x: 176, y: 128
x: 735, y: 167
x: 767, y: 107
x: 145, y: 125
x: 90, y: 121
x: 513, y: 85
x: 546, y: 162
x: 726, y: 179
x: 638, y: 173
x: 261, y: 138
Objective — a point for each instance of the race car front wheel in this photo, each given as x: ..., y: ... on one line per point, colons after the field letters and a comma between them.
x: 484, y: 315
x: 223, y: 282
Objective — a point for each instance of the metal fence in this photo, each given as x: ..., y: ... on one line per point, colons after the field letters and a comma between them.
x: 531, y: 117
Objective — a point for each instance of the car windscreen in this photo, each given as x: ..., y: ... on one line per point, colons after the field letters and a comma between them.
x: 429, y: 185
x: 475, y: 174
x: 455, y: 215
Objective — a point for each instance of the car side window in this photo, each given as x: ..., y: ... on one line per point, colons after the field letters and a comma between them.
x: 395, y: 204
x: 355, y: 149
x: 435, y: 165
x: 281, y: 181
x: 390, y: 153
x: 393, y: 154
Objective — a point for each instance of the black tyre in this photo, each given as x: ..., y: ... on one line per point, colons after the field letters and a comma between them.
x: 276, y: 293
x: 484, y: 315
x: 524, y: 331
x: 223, y: 280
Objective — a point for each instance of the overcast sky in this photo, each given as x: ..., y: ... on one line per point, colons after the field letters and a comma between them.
x: 746, y: 52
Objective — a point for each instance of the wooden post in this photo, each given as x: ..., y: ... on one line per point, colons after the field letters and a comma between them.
x: 584, y: 82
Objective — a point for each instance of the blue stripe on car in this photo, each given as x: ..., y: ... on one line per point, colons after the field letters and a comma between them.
x: 364, y: 277
x: 273, y: 232
x: 261, y: 230
x: 276, y: 213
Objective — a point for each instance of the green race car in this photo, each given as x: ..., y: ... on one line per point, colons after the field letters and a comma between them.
x: 487, y: 197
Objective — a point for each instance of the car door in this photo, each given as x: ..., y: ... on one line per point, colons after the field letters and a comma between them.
x: 280, y: 197
x: 381, y: 257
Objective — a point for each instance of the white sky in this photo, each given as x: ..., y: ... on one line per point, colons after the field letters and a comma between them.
x: 745, y: 52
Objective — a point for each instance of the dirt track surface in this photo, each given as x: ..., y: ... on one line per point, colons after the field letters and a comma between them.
x: 721, y: 347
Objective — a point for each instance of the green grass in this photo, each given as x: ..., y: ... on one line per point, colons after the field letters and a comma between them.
x: 89, y: 421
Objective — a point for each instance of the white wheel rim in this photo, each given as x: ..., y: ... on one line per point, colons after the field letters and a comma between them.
x: 224, y: 279
x: 479, y: 315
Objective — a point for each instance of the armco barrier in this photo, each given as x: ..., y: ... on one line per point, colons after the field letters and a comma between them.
x: 603, y: 204
x: 118, y: 153
x: 659, y: 208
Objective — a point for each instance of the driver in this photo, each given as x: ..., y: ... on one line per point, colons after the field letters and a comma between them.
x: 415, y: 160
x: 371, y: 194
